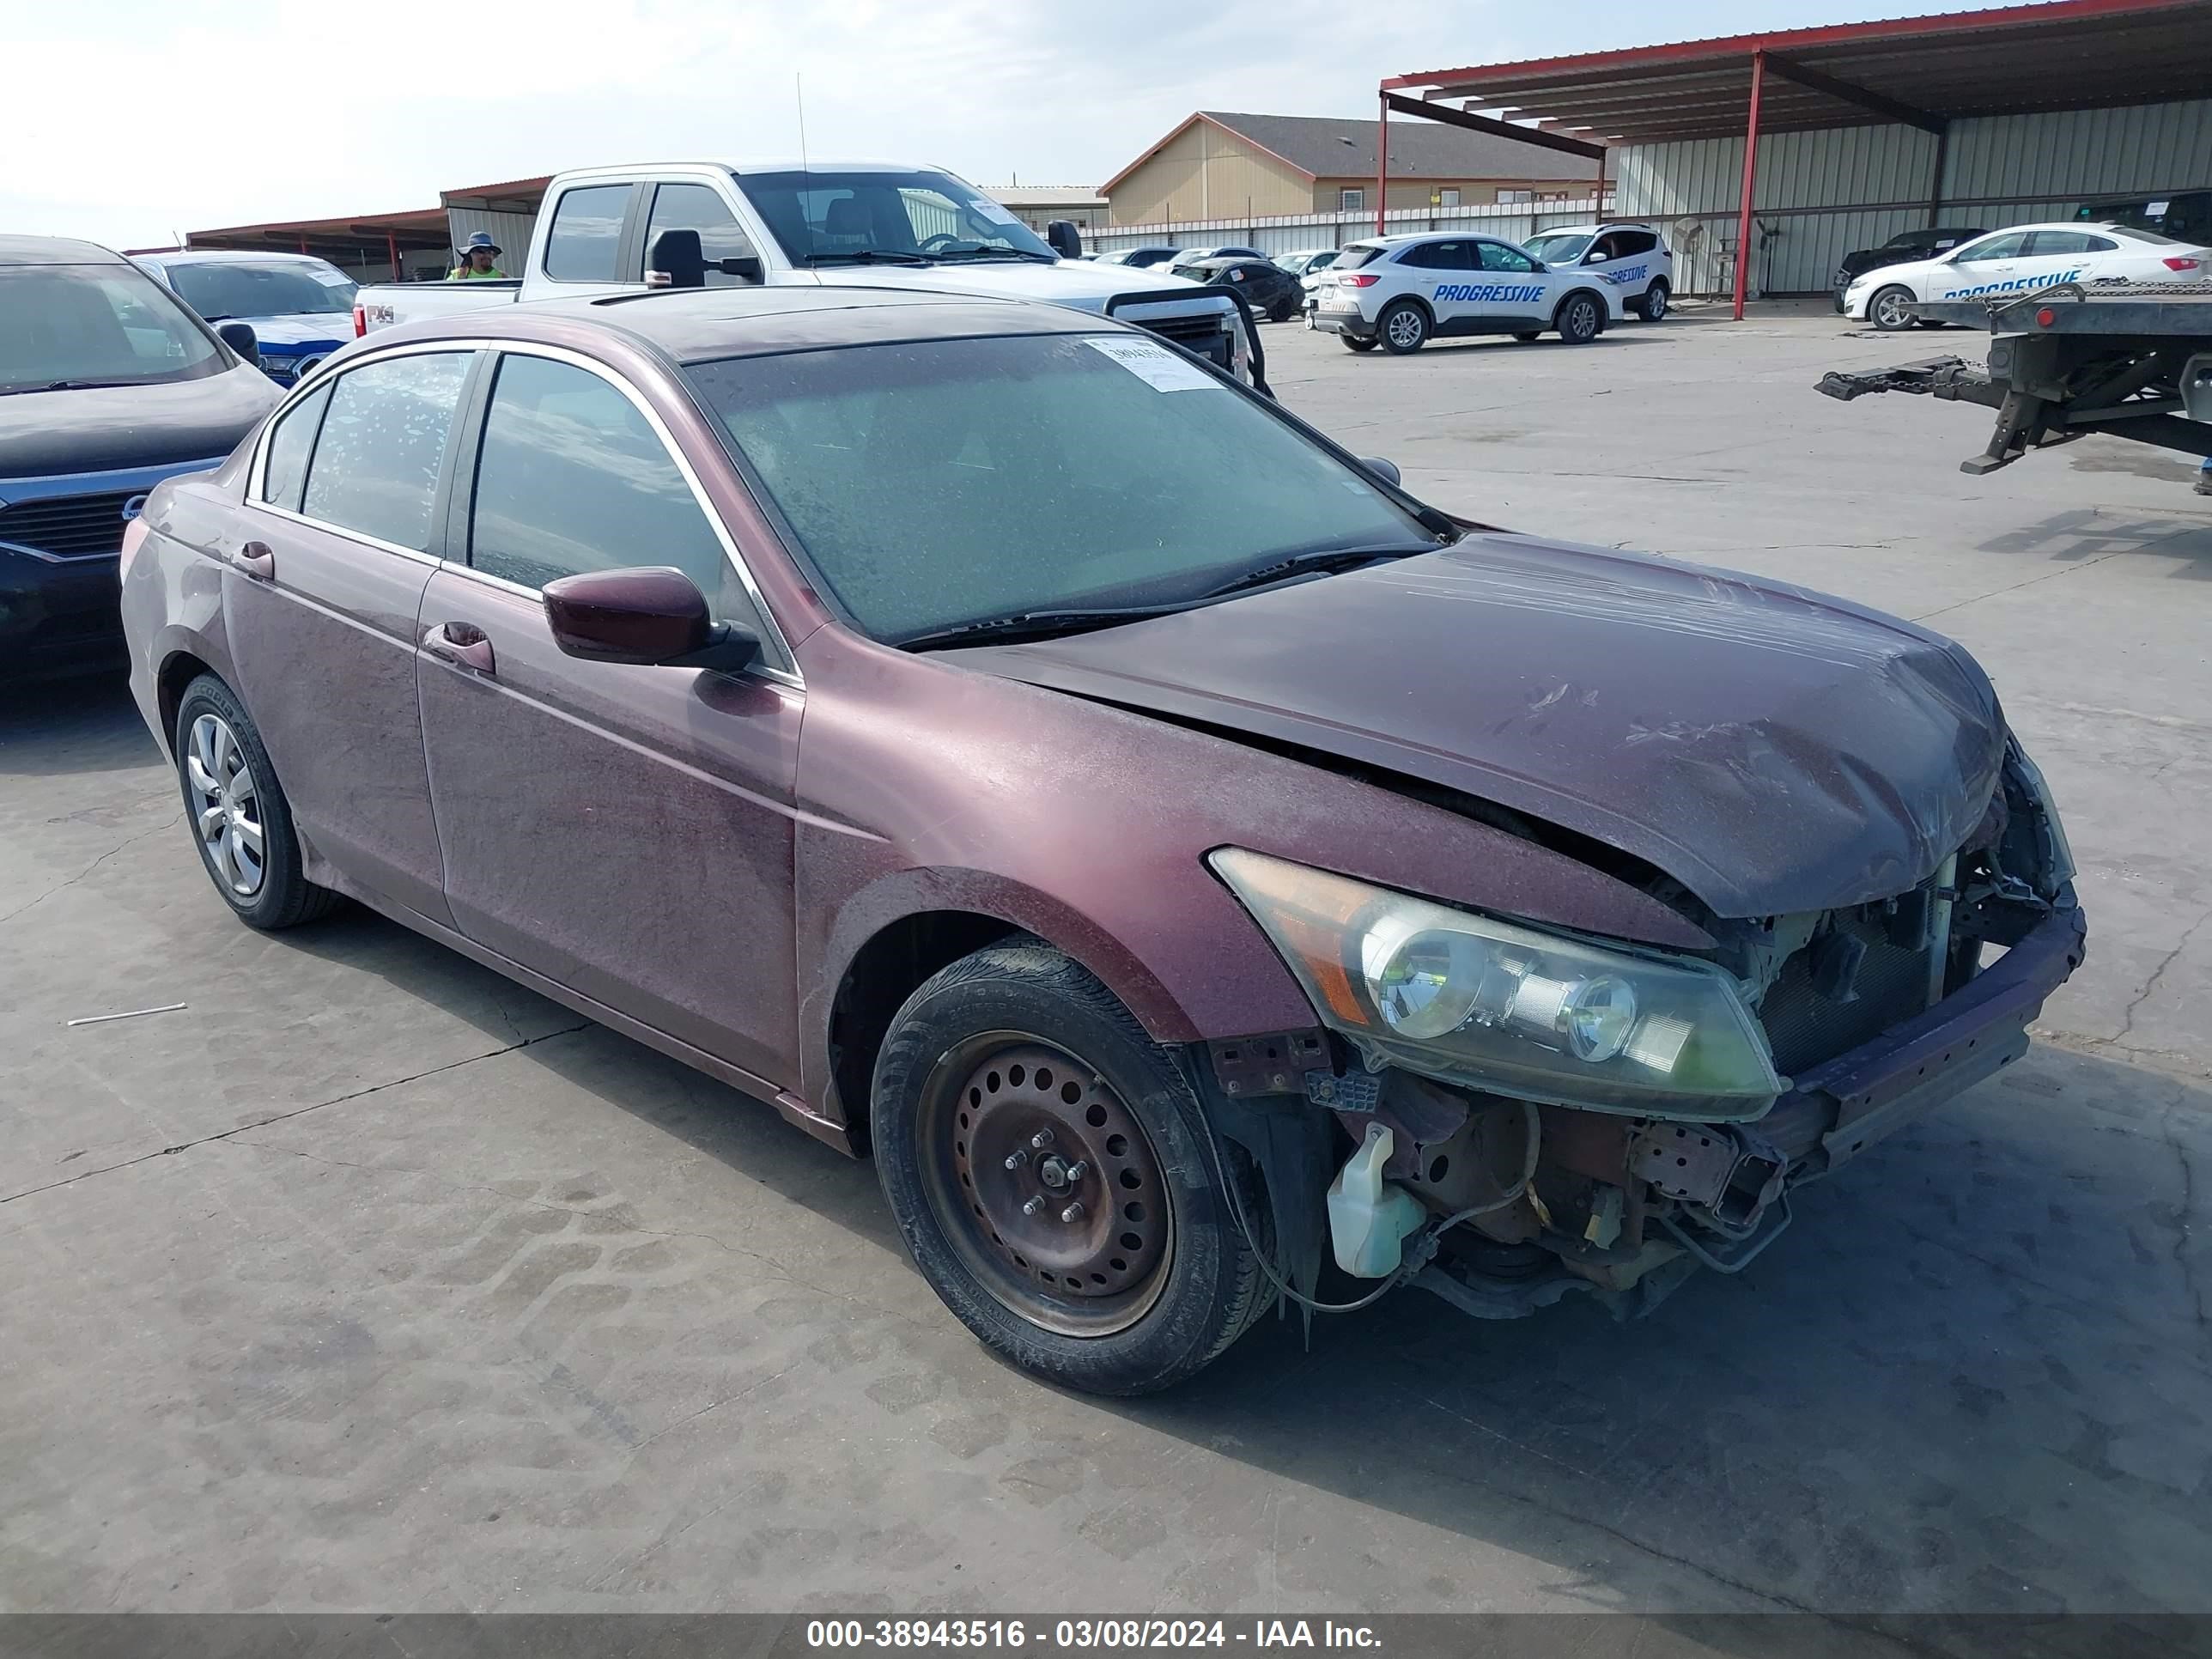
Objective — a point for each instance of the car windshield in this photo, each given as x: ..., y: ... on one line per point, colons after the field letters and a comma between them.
x: 82, y: 325
x: 940, y: 482
x: 262, y: 291
x: 1560, y: 248
x: 831, y: 218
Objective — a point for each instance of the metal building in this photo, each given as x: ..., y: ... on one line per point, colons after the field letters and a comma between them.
x: 1767, y: 157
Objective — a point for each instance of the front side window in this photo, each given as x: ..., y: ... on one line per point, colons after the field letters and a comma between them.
x: 700, y: 208
x: 933, y: 484
x: 1498, y: 256
x: 572, y: 477
x: 584, y: 243
x: 829, y: 217
x: 2006, y: 247
x: 67, y: 326
x: 291, y: 288
x: 291, y: 440
x: 383, y: 438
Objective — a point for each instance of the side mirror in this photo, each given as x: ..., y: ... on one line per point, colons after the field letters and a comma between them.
x: 240, y: 339
x: 1062, y: 236
x: 1386, y: 470
x: 653, y: 614
x: 745, y: 266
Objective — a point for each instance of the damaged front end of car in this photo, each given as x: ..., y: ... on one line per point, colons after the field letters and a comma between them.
x: 1531, y: 1113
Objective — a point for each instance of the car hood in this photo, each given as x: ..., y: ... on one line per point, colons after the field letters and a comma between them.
x: 1077, y: 282
x: 1775, y: 751
x: 109, y: 427
x: 328, y: 329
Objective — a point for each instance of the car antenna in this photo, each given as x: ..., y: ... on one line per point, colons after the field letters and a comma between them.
x: 805, y: 180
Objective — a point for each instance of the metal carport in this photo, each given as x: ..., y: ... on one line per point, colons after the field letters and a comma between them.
x: 1924, y: 75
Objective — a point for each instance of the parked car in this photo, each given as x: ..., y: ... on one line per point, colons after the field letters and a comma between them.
x: 2021, y: 260
x: 1271, y: 291
x: 1306, y: 261
x: 868, y: 224
x: 1152, y: 964
x: 1180, y: 265
x: 107, y: 386
x: 300, y: 308
x: 1142, y: 257
x: 1398, y: 292
x: 1631, y: 257
x: 2183, y: 215
x: 1906, y: 248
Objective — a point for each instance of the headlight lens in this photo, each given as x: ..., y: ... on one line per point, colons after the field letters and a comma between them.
x: 1508, y: 1008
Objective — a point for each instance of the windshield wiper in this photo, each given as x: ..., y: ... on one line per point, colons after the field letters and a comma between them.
x: 1323, y: 560
x: 1000, y: 254
x: 70, y: 386
x: 867, y: 256
x: 1035, y: 625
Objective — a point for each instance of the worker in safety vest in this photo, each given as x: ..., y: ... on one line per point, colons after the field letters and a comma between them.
x: 477, y: 259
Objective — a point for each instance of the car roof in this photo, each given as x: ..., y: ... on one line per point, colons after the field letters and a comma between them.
x: 704, y: 325
x: 55, y: 251
x: 215, y: 256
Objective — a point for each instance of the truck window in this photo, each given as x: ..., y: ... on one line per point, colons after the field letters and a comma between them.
x: 103, y: 324
x: 826, y: 216
x: 586, y: 240
x: 700, y: 208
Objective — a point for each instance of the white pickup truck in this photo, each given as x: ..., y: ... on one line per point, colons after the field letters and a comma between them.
x: 607, y: 230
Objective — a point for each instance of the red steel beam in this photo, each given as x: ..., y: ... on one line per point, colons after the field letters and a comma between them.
x: 1750, y: 182
x: 1381, y: 159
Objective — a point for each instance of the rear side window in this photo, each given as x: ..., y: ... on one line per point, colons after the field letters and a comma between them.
x: 586, y: 240
x: 700, y: 208
x: 1627, y: 243
x: 290, y: 442
x: 1439, y: 256
x: 572, y: 477
x: 2067, y: 241
x: 375, y: 465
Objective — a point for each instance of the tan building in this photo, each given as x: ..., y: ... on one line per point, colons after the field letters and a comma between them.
x: 1218, y: 165
x: 1038, y: 205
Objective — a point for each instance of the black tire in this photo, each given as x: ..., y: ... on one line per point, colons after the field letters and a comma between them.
x: 1896, y: 294
x: 1282, y: 311
x: 967, y: 1026
x: 1579, y: 319
x: 1651, y: 304
x: 1532, y: 334
x: 1402, y: 329
x: 281, y: 896
x: 1930, y: 322
x: 1353, y: 343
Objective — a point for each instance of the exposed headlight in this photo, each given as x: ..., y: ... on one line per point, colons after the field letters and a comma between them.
x: 2058, y: 852
x: 1508, y: 1008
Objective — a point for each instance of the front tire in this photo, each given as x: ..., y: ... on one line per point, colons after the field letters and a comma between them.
x: 1579, y: 319
x: 241, y: 820
x: 1886, y: 311
x: 1051, y: 1172
x: 1403, y: 328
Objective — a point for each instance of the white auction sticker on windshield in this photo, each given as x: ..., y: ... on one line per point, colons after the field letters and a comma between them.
x: 985, y: 207
x: 1154, y: 364
x: 331, y: 278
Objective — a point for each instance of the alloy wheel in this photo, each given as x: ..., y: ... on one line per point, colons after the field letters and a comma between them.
x: 227, y: 806
x: 1046, y: 1185
x: 1407, y: 329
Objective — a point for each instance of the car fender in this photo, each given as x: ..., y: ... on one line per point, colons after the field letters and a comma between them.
x: 1608, y: 298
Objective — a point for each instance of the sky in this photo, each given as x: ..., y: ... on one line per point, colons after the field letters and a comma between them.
x: 129, y: 122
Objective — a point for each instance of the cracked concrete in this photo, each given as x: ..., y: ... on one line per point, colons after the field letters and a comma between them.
x: 372, y: 1281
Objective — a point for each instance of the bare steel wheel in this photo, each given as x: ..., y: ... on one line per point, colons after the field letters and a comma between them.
x: 1040, y: 1176
x: 1049, y: 1168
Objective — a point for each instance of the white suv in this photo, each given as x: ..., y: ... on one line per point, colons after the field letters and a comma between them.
x: 1630, y: 256
x: 1397, y: 291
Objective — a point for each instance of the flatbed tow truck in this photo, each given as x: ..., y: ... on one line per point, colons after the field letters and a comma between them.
x: 2132, y: 360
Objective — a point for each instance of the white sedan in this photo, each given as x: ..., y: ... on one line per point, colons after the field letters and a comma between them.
x: 2021, y: 260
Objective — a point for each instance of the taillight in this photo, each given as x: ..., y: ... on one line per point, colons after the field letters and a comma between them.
x: 359, y: 322
x: 2180, y: 262
x: 1359, y: 279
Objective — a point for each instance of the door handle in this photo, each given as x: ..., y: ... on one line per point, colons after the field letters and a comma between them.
x: 462, y: 644
x: 255, y: 559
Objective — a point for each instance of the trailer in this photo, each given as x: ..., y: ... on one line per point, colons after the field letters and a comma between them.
x: 2132, y: 360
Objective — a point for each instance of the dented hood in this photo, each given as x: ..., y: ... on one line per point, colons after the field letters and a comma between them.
x: 1773, y: 750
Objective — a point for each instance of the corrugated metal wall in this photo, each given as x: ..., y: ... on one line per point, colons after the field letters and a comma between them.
x: 1292, y: 233
x: 1821, y: 194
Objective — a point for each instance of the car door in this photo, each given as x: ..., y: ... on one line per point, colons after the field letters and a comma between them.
x: 322, y: 587
x: 2066, y: 256
x: 686, y: 204
x: 592, y: 241
x: 1437, y: 271
x: 626, y: 831
x: 1516, y: 292
x: 1978, y: 268
x: 1624, y: 259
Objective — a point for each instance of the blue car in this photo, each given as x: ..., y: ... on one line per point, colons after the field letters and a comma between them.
x: 107, y: 386
x: 300, y: 308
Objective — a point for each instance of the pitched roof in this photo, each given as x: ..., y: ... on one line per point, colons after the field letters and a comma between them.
x: 1323, y: 147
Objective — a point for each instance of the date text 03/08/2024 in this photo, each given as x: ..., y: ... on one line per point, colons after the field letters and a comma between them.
x: 1087, y: 1634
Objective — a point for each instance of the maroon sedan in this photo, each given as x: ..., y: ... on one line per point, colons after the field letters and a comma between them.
x: 1200, y: 872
